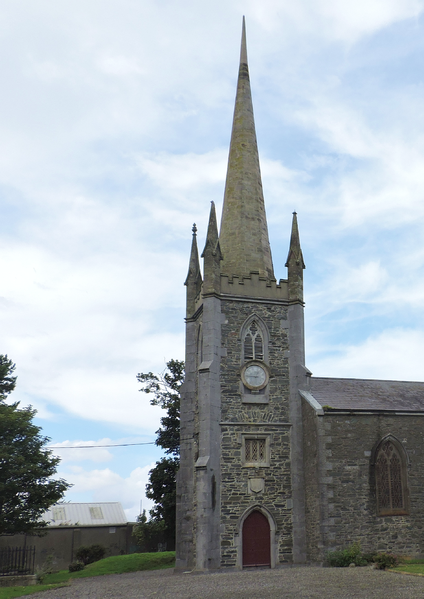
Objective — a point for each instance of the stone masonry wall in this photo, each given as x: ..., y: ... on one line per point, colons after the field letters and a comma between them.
x: 349, y: 441
x: 312, y: 488
x: 189, y: 433
x: 270, y: 419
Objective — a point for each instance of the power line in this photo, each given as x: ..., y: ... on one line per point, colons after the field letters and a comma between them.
x: 92, y: 446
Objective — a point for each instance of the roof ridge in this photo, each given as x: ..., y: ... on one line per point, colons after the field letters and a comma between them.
x: 334, y: 378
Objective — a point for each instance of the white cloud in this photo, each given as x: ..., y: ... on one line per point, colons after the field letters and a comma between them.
x: 114, y: 138
x: 366, y: 283
x: 80, y: 329
x: 120, y: 66
x: 395, y: 354
x: 108, y: 485
x: 69, y: 453
x: 349, y: 20
x: 382, y: 185
x: 184, y: 173
x: 331, y: 19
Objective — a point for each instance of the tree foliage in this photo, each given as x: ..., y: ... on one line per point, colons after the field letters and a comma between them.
x: 26, y: 466
x: 149, y: 533
x: 165, y: 389
x: 7, y: 381
x: 162, y: 489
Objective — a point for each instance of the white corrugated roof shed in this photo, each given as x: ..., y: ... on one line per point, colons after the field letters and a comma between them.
x: 85, y: 514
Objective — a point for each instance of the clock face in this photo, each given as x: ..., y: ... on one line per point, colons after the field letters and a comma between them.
x: 255, y: 376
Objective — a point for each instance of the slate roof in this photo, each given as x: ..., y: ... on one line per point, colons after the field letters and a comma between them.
x: 85, y: 514
x: 368, y: 394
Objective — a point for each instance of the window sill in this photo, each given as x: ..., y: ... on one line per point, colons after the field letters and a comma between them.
x: 385, y: 513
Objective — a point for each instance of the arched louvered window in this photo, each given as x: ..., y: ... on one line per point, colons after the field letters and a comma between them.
x: 253, y: 342
x: 391, y: 479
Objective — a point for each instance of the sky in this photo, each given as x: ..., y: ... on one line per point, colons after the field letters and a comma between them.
x: 115, y: 122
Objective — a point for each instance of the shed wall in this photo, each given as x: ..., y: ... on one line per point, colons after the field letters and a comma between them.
x: 61, y: 543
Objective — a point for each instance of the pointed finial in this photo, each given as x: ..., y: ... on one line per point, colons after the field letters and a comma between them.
x: 212, y: 234
x: 295, y: 251
x: 243, y: 51
x: 212, y: 257
x: 193, y: 281
x: 295, y: 264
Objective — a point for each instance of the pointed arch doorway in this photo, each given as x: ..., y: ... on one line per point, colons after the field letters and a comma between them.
x: 256, y: 541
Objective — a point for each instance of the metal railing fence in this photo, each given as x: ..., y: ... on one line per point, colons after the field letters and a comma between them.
x: 16, y: 561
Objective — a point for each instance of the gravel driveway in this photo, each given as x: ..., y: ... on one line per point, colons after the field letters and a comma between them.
x: 291, y: 583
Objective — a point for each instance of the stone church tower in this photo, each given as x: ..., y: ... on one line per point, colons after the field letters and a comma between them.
x: 278, y: 466
x: 240, y: 488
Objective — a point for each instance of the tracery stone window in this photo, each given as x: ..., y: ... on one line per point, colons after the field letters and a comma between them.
x: 253, y: 343
x: 391, y: 479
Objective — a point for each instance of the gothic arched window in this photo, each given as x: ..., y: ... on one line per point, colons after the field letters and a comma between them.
x: 391, y: 479
x: 253, y: 342
x: 254, y: 372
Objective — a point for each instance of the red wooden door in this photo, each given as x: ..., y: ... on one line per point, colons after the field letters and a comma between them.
x: 256, y: 541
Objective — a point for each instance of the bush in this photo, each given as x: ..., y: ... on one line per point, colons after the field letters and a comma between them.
x: 76, y: 567
x: 90, y: 554
x: 45, y: 570
x: 386, y: 560
x: 369, y: 557
x: 345, y: 557
x: 353, y: 555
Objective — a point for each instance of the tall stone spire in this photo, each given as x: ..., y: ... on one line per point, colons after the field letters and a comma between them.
x: 295, y: 264
x: 244, y: 233
x: 193, y: 281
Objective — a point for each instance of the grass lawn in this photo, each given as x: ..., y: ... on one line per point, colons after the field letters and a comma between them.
x: 411, y: 566
x: 119, y: 564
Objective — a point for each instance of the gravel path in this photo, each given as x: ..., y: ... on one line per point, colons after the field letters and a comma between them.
x: 285, y: 583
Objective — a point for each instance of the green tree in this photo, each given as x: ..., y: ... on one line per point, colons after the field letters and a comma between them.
x: 149, y: 533
x: 165, y: 389
x: 7, y: 381
x: 26, y: 466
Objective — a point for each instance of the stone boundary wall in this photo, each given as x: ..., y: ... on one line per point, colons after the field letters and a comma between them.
x: 15, y: 581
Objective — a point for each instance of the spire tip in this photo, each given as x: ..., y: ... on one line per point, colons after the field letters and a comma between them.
x: 243, y: 51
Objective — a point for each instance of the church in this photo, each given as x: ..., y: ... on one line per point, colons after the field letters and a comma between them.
x: 278, y: 466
